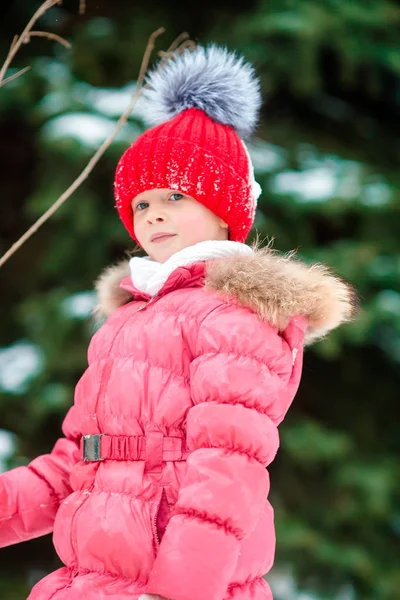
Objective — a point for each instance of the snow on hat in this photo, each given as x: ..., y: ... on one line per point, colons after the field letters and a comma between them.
x: 203, y: 102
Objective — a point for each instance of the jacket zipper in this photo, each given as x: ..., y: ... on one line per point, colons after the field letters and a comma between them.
x: 146, y: 303
x: 157, y: 538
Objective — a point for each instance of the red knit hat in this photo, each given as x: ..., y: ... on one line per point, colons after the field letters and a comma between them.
x: 205, y: 98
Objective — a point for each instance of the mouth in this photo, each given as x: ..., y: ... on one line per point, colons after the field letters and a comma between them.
x: 161, y: 237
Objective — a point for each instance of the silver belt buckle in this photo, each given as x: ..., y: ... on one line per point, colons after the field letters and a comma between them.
x: 91, y: 447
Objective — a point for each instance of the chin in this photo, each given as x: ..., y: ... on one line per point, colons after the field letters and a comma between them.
x: 162, y: 257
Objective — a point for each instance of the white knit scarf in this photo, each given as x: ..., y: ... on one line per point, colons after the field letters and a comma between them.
x: 149, y: 276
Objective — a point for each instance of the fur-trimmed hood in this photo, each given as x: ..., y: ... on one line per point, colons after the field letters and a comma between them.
x: 277, y: 287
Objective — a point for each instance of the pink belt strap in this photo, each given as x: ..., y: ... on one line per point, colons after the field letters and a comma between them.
x: 154, y: 448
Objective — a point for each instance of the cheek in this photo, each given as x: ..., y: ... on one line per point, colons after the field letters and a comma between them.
x: 197, y: 224
x: 138, y: 229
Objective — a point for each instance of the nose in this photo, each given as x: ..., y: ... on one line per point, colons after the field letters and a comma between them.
x: 155, y: 215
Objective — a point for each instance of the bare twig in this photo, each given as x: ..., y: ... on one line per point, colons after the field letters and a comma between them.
x: 147, y: 54
x: 176, y: 49
x: 82, y: 7
x: 187, y: 44
x: 177, y: 46
x: 21, y: 72
x: 181, y: 38
x: 50, y: 36
x: 96, y: 157
x: 14, y: 42
x: 18, y: 41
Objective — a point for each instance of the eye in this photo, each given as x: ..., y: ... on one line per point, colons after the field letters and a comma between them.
x: 176, y: 196
x: 141, y: 205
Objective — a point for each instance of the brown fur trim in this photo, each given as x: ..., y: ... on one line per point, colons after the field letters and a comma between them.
x: 274, y: 286
x: 277, y: 287
x: 109, y: 295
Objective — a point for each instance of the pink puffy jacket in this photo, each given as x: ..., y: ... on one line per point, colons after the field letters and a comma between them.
x: 187, y: 390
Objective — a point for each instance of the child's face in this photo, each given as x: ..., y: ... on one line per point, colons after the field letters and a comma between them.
x: 181, y: 217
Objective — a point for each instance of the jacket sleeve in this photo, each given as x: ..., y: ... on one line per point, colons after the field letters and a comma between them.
x: 30, y: 495
x: 243, y: 379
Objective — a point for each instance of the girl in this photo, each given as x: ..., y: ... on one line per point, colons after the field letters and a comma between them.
x: 159, y: 486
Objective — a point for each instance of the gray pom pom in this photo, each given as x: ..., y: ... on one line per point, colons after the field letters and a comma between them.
x: 212, y: 79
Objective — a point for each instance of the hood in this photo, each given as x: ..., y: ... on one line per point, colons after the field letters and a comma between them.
x: 275, y: 286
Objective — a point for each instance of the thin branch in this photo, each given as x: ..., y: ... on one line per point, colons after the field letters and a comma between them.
x: 14, y: 42
x: 182, y: 37
x: 21, y: 72
x: 176, y: 48
x: 50, y: 36
x: 17, y: 42
x: 82, y: 7
x: 147, y: 54
x: 187, y: 44
x: 96, y: 157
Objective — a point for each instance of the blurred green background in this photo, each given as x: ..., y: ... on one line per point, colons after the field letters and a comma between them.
x: 326, y: 154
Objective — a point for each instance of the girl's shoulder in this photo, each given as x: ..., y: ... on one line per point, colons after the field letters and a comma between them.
x: 278, y: 287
